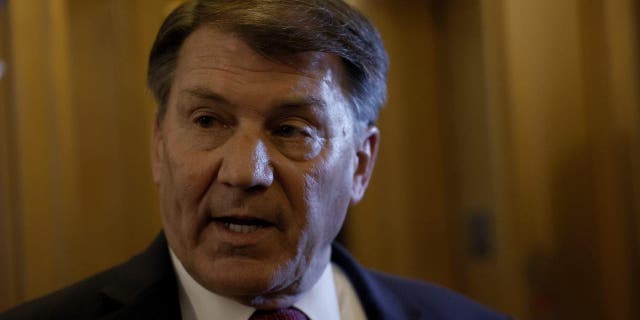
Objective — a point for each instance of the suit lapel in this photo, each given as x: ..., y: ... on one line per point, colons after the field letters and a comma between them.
x: 145, y: 287
x: 160, y: 302
x: 377, y: 301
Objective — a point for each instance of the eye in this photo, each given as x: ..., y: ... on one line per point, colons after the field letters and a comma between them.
x: 292, y: 131
x: 205, y: 121
x: 287, y: 131
x: 297, y: 139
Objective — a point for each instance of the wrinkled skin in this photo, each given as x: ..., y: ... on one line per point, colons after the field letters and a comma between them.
x: 264, y: 145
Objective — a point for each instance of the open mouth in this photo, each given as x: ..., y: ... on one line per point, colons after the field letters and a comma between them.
x: 242, y: 225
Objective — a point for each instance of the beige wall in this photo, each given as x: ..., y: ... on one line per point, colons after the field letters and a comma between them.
x: 511, y: 122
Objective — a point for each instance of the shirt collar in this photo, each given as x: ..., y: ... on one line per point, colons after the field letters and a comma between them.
x: 198, y: 303
x: 321, y: 302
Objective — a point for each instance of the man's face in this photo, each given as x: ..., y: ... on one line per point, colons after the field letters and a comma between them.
x: 257, y: 163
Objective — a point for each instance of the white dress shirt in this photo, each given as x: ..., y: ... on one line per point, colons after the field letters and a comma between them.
x: 332, y: 297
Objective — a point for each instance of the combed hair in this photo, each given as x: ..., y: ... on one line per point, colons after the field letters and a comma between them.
x: 275, y: 29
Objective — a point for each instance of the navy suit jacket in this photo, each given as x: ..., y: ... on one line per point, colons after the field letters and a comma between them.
x: 145, y: 287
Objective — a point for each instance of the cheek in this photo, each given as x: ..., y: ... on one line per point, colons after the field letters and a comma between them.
x: 185, y: 180
x: 178, y: 177
x: 327, y: 191
x: 189, y: 169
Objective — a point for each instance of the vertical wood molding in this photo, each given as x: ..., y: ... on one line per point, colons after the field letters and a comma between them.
x: 552, y: 185
x: 402, y: 224
x: 465, y: 116
x: 10, y: 269
x: 473, y: 109
x: 65, y: 190
x: 617, y: 155
x: 30, y: 72
x: 514, y: 290
x: 44, y: 159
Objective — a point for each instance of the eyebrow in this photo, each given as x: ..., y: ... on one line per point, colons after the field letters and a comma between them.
x: 288, y: 103
x: 207, y: 94
x: 298, y: 102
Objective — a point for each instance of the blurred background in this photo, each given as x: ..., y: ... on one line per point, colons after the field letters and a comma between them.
x: 509, y: 168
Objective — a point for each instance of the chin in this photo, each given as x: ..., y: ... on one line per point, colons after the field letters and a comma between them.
x: 246, y: 280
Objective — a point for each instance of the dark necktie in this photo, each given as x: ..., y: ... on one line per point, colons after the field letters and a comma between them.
x: 280, y: 314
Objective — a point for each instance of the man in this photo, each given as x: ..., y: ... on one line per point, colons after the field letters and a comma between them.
x: 265, y: 135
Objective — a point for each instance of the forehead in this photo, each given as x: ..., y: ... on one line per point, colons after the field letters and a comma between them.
x: 210, y: 48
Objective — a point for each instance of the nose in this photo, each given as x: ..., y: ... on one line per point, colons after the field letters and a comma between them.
x: 246, y: 164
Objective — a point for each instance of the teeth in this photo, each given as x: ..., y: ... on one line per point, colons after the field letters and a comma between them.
x: 241, y: 228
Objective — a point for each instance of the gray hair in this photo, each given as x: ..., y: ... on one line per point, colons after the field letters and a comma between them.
x: 276, y: 28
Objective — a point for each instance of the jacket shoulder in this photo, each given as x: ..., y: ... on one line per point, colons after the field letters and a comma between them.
x: 83, y: 300
x: 385, y: 296
x: 433, y: 300
x: 126, y: 288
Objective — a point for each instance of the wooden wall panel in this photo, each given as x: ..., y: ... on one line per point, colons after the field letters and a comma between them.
x: 523, y: 111
x: 37, y: 145
x: 468, y: 146
x: 551, y: 161
x: 402, y: 225
x: 9, y: 273
x: 564, y: 83
x: 85, y: 198
x: 514, y: 287
x: 614, y: 118
x: 114, y: 112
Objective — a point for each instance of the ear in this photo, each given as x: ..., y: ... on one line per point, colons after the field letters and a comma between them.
x: 367, y: 151
x: 157, y: 149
